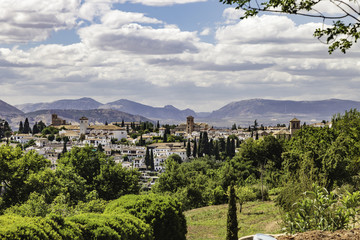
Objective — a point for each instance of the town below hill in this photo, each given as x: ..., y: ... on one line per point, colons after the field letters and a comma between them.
x: 140, y: 145
x: 243, y: 113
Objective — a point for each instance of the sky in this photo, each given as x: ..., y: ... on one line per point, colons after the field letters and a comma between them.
x: 194, y: 54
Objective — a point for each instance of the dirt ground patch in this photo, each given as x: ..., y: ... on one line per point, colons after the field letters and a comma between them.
x: 353, y: 234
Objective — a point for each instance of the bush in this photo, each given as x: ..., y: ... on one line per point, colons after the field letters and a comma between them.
x: 53, y: 227
x: 106, y: 226
x: 321, y: 210
x: 162, y: 213
x: 275, y: 191
x: 257, y: 190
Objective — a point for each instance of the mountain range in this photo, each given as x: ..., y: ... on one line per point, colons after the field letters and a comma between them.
x: 241, y: 112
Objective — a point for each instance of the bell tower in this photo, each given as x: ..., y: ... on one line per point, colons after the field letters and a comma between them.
x: 189, y: 124
x: 294, y: 126
x: 84, y: 123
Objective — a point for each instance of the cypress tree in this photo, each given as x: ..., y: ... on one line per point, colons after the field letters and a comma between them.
x: 232, y: 147
x: 232, y: 224
x: 206, y: 147
x: 194, y: 149
x: 122, y: 123
x: 100, y: 148
x: 188, y: 149
x: 147, y: 159
x: 21, y: 127
x: 35, y: 128
x: 211, y: 147
x: 141, y: 140
x: 228, y: 148
x: 27, y: 126
x: 165, y: 137
x: 152, y: 163
x: 64, y: 147
x: 216, y: 150
x: 222, y: 145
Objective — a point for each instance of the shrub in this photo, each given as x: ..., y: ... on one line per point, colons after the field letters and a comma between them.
x: 321, y: 210
x: 162, y: 213
x: 106, y: 226
x: 52, y: 227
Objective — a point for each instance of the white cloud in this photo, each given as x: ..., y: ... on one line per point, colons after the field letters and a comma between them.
x: 134, y: 55
x: 116, y: 18
x: 205, y: 32
x: 138, y: 39
x: 33, y: 20
x: 162, y: 2
x: 232, y: 15
x: 91, y: 9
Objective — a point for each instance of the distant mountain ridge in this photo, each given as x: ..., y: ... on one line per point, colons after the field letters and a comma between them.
x: 94, y: 115
x: 7, y: 109
x: 242, y: 112
x: 286, y: 107
x: 78, y: 104
x: 167, y: 112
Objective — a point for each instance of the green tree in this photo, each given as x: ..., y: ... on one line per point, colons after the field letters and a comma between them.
x: 21, y: 127
x: 188, y: 149
x: 100, y: 173
x: 195, y: 148
x: 15, y: 169
x: 232, y: 223
x: 244, y: 194
x: 27, y: 128
x: 345, y: 23
x: 7, y: 135
x: 35, y: 129
x: 172, y: 179
x: 147, y: 158
x: 115, y: 181
x: 152, y: 163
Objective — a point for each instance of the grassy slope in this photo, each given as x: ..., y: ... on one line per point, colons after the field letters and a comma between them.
x: 209, y: 223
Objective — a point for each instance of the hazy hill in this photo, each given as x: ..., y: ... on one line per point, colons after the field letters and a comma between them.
x: 263, y: 106
x: 240, y: 112
x: 167, y: 112
x: 94, y: 115
x: 7, y: 109
x: 276, y: 111
x: 78, y: 104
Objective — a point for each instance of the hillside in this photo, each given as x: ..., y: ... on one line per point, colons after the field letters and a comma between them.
x: 94, y: 116
x: 167, y: 112
x: 78, y: 104
x: 243, y: 113
x: 7, y: 109
x: 280, y: 111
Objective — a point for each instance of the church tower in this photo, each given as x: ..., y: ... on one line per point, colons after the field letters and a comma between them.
x: 189, y: 124
x: 84, y: 123
x: 294, y: 126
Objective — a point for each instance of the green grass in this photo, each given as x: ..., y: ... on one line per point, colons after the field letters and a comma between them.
x: 209, y: 223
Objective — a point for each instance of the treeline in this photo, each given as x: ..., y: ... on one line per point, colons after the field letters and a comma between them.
x: 204, y: 181
x: 87, y: 196
x: 220, y: 149
x: 327, y: 157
